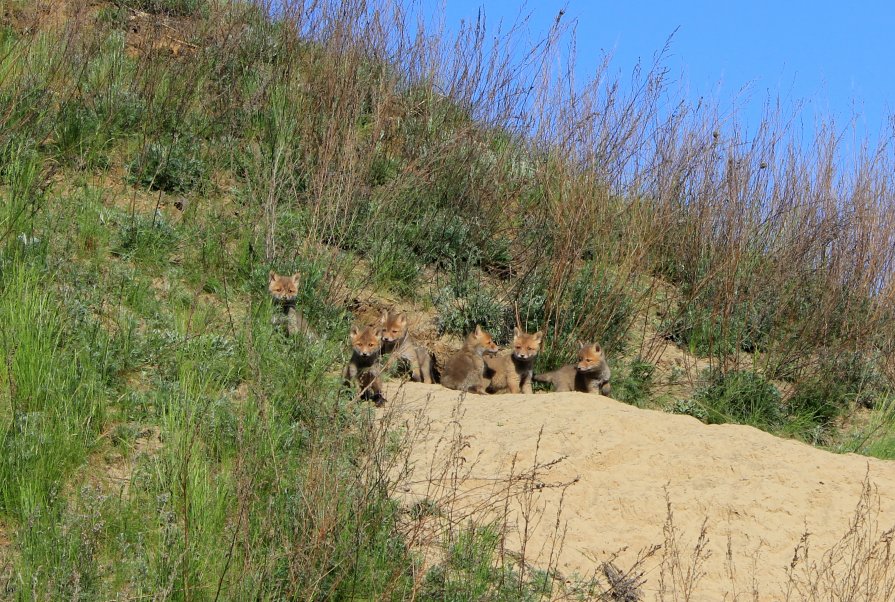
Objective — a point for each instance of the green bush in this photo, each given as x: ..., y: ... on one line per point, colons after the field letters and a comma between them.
x: 701, y: 332
x: 150, y: 239
x: 841, y: 381
x: 689, y: 407
x: 818, y: 401
x: 473, y: 571
x: 465, y: 303
x: 173, y: 167
x: 395, y: 266
x: 174, y: 8
x: 743, y: 397
x: 597, y: 308
x: 633, y: 383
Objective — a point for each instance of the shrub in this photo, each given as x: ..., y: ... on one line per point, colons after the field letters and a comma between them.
x: 464, y: 304
x: 173, y: 167
x: 79, y: 138
x: 473, y: 571
x: 701, y: 332
x: 743, y: 397
x: 840, y: 381
x: 147, y: 238
x: 174, y: 8
x: 394, y: 265
x: 633, y: 383
x: 595, y: 307
x: 689, y: 407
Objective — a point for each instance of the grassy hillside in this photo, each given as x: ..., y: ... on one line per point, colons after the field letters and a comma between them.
x: 159, y: 157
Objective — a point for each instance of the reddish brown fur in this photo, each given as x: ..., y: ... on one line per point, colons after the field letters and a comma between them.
x: 465, y: 370
x: 514, y: 372
x: 363, y: 367
x: 590, y: 374
x: 284, y: 291
x: 397, y: 340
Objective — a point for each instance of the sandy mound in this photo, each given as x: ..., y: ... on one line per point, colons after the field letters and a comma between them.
x: 756, y: 492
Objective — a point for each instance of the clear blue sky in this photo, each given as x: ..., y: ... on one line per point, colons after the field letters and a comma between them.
x: 837, y: 58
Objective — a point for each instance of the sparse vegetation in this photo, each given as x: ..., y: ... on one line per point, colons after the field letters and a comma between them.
x: 634, y: 383
x: 743, y: 397
x: 158, y: 157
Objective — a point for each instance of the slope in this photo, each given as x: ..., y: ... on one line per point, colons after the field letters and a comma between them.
x: 608, y: 466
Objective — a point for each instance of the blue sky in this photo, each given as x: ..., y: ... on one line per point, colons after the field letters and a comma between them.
x: 832, y: 58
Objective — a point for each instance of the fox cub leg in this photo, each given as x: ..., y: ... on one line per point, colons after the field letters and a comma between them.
x: 423, y: 367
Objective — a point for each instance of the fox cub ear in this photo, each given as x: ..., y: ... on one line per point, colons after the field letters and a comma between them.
x: 272, y: 276
x: 517, y: 332
x: 377, y: 332
x: 478, y: 330
x: 597, y: 348
x: 383, y: 318
x: 296, y: 275
x: 582, y: 345
x: 355, y: 331
x: 402, y: 319
x: 538, y: 336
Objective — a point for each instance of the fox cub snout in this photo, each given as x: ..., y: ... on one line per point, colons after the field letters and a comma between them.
x: 465, y: 370
x: 396, y: 341
x: 284, y: 292
x: 514, y: 372
x: 364, y: 368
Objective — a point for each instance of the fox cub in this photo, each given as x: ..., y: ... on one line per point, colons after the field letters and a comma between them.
x: 284, y: 291
x: 514, y: 372
x: 590, y: 375
x: 397, y: 340
x: 364, y: 367
x: 465, y: 370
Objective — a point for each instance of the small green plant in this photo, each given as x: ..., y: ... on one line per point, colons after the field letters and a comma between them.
x: 464, y: 304
x: 689, y: 407
x: 473, y: 571
x: 174, y: 8
x: 596, y: 307
x: 173, y: 167
x: 80, y: 138
x: 147, y: 238
x: 394, y: 266
x: 633, y: 384
x: 698, y: 330
x: 743, y: 397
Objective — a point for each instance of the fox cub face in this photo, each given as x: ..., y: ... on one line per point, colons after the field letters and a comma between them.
x: 283, y: 289
x: 526, y: 346
x: 589, y: 357
x: 366, y: 342
x: 394, y: 326
x: 482, y: 340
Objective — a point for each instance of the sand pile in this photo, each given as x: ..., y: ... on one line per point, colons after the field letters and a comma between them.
x: 758, y: 494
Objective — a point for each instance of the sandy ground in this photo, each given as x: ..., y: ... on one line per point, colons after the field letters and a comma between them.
x: 758, y: 494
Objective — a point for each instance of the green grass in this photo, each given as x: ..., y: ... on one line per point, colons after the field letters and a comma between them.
x: 633, y: 382
x: 89, y: 371
x: 743, y: 397
x: 472, y: 572
x: 177, y: 8
x: 175, y: 166
x: 52, y: 409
